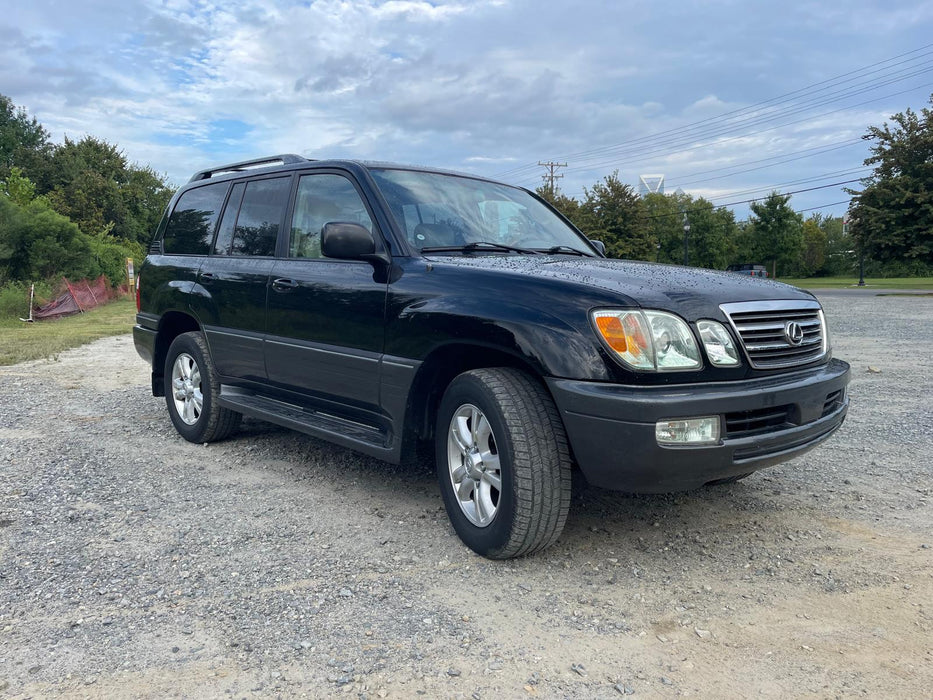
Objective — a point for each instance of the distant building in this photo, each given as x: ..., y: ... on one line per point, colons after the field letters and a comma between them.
x: 648, y: 184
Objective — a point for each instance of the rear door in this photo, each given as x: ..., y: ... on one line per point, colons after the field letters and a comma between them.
x: 234, y: 279
x: 325, y: 317
x: 186, y: 242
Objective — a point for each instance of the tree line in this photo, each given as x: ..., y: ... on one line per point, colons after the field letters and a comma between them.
x: 682, y: 229
x: 77, y: 209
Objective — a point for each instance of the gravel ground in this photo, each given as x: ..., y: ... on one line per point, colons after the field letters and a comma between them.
x: 135, y: 564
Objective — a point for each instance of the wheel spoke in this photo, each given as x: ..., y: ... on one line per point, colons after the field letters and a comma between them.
x: 188, y: 414
x: 461, y: 434
x: 198, y: 400
x: 485, y: 508
x: 482, y: 432
x: 458, y: 474
x: 475, y: 417
x: 465, y: 488
x: 494, y: 480
x: 490, y: 461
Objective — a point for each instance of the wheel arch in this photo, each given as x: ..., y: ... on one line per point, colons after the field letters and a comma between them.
x: 436, y: 373
x: 171, y: 325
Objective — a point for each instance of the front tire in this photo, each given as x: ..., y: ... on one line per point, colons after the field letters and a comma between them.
x: 503, y: 462
x: 192, y: 391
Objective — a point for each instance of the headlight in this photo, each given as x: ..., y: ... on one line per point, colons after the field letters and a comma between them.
x: 720, y: 349
x: 648, y: 340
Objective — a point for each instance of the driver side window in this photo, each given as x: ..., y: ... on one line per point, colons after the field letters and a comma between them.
x: 322, y: 199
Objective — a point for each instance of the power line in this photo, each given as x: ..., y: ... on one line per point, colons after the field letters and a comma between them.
x: 814, y: 178
x: 801, y: 211
x: 665, y: 151
x: 823, y: 206
x: 757, y: 107
x: 814, y: 151
x: 746, y: 201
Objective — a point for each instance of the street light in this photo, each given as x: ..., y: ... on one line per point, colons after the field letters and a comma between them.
x: 686, y: 235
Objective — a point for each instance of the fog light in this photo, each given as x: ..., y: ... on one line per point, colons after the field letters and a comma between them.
x: 693, y: 431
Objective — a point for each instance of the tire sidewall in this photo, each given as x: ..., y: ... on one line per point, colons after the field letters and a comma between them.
x: 185, y: 343
x: 491, y: 539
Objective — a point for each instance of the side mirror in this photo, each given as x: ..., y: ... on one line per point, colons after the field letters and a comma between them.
x: 347, y: 241
x: 599, y: 245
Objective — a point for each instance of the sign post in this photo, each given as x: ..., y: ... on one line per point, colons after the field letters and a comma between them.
x: 130, y: 276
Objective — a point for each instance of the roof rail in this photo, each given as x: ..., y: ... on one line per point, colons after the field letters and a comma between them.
x: 284, y: 159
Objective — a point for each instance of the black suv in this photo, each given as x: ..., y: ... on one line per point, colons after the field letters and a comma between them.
x: 385, y: 308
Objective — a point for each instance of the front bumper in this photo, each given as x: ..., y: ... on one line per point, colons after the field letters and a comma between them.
x: 611, y: 427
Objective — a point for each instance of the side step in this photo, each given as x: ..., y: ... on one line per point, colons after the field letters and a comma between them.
x: 341, y: 431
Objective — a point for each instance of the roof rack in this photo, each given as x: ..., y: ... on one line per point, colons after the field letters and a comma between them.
x: 284, y: 159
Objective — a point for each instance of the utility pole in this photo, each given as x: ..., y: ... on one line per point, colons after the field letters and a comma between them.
x: 551, y: 178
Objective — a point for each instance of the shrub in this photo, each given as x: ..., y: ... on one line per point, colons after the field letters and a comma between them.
x: 14, y: 299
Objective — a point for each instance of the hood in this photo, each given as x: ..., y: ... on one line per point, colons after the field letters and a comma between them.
x: 688, y: 291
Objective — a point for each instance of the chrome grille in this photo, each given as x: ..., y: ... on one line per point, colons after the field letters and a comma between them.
x: 763, y: 327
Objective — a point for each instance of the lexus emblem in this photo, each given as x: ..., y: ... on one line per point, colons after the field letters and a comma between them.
x: 793, y: 332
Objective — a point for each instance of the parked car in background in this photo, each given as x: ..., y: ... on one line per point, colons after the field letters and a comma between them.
x: 386, y: 308
x: 749, y: 269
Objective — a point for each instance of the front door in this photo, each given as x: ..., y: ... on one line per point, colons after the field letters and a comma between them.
x: 325, y: 317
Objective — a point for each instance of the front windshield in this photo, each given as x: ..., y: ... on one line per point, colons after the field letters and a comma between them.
x: 447, y: 211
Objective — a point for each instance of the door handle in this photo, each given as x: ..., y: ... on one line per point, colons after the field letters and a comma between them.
x: 283, y: 284
x: 206, y: 277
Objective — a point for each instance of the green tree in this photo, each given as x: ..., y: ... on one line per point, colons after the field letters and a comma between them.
x: 613, y: 213
x: 710, y: 240
x: 777, y: 233
x: 568, y: 206
x: 145, y: 196
x: 37, y: 243
x: 840, y: 257
x: 91, y: 182
x: 711, y: 236
x: 813, y: 255
x: 892, y: 216
x: 24, y: 142
x: 19, y: 188
x: 664, y: 225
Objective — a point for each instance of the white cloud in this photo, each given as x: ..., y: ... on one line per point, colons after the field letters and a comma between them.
x: 487, y: 85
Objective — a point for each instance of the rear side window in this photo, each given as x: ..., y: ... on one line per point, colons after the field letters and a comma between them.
x: 191, y: 226
x: 228, y: 221
x: 257, y: 224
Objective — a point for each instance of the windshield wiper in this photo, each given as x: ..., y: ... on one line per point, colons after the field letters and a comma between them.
x: 478, y: 245
x: 563, y: 249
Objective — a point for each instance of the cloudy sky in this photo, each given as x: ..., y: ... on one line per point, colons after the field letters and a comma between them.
x: 727, y: 99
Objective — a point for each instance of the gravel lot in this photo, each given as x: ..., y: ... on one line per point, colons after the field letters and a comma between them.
x: 135, y: 564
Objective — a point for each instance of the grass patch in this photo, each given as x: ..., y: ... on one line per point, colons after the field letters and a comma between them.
x: 20, y: 342
x: 873, y: 282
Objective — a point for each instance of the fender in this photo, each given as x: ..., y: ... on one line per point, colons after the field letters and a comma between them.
x: 549, y: 345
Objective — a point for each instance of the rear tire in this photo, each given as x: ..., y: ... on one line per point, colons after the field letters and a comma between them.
x: 192, y: 391
x: 503, y: 463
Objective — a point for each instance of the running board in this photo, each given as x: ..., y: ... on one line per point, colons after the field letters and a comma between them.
x: 347, y: 433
